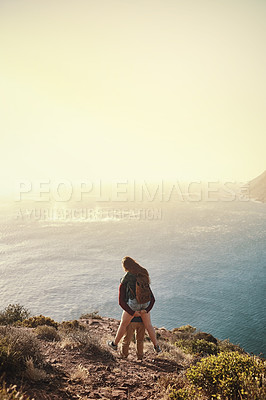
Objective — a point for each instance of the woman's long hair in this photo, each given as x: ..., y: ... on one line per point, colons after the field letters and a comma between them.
x: 130, y: 265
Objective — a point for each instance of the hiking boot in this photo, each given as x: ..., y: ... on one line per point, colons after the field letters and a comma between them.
x: 112, y: 345
x: 157, y: 349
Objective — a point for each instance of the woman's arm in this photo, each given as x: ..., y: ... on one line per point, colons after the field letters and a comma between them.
x: 122, y: 299
x: 148, y: 309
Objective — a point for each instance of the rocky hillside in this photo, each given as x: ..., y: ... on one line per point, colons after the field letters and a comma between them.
x: 78, y: 366
x: 70, y: 360
x: 257, y: 188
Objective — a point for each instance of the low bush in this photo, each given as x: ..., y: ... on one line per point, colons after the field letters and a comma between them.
x: 231, y: 376
x: 226, y: 346
x: 177, y: 388
x: 13, y: 314
x: 197, y: 346
x: 187, y: 393
x: 93, y: 314
x: 206, y: 336
x: 47, y: 333
x: 185, y: 328
x: 33, y: 322
x: 16, y: 346
x: 184, y: 332
x: 71, y: 326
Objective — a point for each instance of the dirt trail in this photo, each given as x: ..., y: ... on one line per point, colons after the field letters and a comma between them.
x: 74, y: 375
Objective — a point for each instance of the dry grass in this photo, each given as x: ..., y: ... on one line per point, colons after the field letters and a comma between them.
x: 80, y: 374
x: 68, y: 344
x: 82, y: 340
x: 74, y: 339
x: 17, y: 345
x: 176, y: 354
x: 32, y: 373
x: 11, y: 393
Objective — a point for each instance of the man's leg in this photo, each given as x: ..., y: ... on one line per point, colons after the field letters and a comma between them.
x: 140, y: 333
x: 127, y: 339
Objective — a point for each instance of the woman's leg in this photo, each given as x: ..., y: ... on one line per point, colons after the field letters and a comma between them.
x: 125, y: 321
x: 146, y: 318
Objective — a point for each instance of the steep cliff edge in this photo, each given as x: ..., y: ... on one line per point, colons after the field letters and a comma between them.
x: 71, y: 360
x: 257, y: 188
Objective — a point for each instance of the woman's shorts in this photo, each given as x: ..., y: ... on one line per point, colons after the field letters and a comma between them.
x: 135, y: 306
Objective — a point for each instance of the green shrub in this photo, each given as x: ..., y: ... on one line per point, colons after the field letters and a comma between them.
x: 11, y: 393
x: 33, y: 322
x: 197, y: 346
x: 47, y: 333
x: 177, y: 388
x: 184, y: 332
x: 16, y: 346
x: 206, y: 336
x: 226, y: 346
x: 12, y: 314
x: 185, y: 328
x: 93, y: 314
x: 229, y: 376
x: 182, y: 394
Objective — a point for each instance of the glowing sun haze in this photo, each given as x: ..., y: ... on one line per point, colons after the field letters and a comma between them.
x: 124, y: 88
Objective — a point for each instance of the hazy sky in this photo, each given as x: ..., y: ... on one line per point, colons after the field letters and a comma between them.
x: 132, y: 89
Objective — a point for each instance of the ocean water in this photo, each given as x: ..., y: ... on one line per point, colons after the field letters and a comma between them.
x: 207, y: 262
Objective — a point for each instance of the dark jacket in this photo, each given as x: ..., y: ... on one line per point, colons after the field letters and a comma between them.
x: 123, y: 295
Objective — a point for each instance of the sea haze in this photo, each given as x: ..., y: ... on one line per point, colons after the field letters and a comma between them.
x: 206, y: 261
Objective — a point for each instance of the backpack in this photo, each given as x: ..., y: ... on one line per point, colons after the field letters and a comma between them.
x: 143, y: 291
